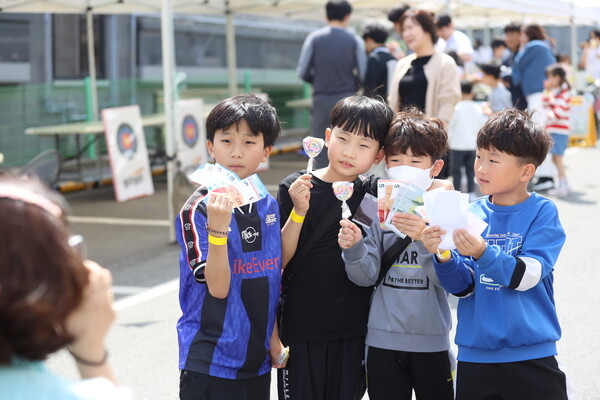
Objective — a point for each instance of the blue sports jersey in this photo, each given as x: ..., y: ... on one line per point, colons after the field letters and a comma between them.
x: 229, y: 338
x: 506, y: 312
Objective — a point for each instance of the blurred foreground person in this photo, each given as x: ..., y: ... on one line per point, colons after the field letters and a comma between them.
x: 50, y: 298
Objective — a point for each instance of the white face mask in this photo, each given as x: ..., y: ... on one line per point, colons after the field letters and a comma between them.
x: 417, y: 176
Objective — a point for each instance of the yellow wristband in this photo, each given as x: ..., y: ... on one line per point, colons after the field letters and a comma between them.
x: 445, y: 256
x: 296, y: 218
x: 217, y: 241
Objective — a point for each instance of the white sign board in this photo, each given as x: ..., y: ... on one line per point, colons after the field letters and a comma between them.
x: 128, y: 153
x: 190, y: 135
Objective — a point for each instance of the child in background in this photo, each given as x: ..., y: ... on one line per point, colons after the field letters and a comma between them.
x: 409, y: 319
x: 466, y: 121
x: 323, y: 314
x: 230, y: 266
x: 507, y: 323
x: 500, y: 97
x: 556, y: 100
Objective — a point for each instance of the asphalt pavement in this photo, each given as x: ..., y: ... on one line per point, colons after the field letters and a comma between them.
x: 132, y: 240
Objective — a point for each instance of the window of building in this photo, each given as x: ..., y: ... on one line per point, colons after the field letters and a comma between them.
x: 70, y: 46
x: 14, y: 41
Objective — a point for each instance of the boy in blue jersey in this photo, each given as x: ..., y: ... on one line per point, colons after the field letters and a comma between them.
x: 507, y: 323
x: 230, y: 266
x: 323, y: 314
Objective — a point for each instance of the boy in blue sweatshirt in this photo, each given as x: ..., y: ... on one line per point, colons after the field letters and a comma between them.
x: 507, y: 323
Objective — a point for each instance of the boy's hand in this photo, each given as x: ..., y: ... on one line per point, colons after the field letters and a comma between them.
x: 219, y: 209
x: 349, y: 235
x: 300, y: 193
x: 432, y: 237
x: 409, y: 224
x: 467, y: 244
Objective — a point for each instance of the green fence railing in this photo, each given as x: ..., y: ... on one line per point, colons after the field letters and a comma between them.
x: 61, y: 102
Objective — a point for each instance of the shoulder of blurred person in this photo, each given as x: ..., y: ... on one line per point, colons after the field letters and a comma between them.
x: 56, y: 299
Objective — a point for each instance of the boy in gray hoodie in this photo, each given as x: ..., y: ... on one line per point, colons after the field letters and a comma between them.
x: 409, y: 319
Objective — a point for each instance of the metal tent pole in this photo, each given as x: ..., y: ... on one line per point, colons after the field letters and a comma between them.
x: 168, y: 60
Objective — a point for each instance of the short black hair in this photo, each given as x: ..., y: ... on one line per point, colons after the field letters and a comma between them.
x: 376, y: 32
x: 423, y: 135
x: 514, y: 132
x: 497, y: 43
x: 260, y: 116
x: 337, y: 10
x: 490, y: 69
x: 397, y: 12
x: 362, y: 115
x: 466, y: 87
x: 424, y: 19
x: 512, y: 27
x: 443, y: 20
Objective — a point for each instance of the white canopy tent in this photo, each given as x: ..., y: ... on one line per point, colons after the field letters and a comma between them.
x: 466, y: 13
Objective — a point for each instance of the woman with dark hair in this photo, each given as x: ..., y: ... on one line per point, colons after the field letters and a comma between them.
x: 426, y: 79
x: 50, y: 298
x: 529, y: 71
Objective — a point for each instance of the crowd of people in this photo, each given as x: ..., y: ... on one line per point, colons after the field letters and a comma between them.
x: 337, y: 307
x: 410, y: 65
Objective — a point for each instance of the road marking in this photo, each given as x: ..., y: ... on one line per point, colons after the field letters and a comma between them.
x: 128, y: 289
x: 146, y: 295
x: 118, y: 221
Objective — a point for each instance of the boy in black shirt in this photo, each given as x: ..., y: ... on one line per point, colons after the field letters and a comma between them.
x: 323, y: 314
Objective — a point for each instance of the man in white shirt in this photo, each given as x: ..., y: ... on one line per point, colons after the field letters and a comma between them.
x: 452, y: 40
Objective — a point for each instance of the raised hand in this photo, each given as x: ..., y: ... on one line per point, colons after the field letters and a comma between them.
x: 467, y: 244
x: 431, y: 237
x: 299, y: 191
x: 349, y: 234
x: 409, y: 224
x: 219, y: 209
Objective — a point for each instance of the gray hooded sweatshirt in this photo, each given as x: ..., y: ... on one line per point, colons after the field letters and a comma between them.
x: 409, y: 309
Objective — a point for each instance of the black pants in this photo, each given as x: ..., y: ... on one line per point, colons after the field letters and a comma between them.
x: 459, y: 159
x: 540, y: 379
x: 392, y: 375
x: 331, y: 370
x: 197, y: 386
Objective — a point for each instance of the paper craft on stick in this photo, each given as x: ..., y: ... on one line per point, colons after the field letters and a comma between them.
x: 343, y: 191
x: 313, y: 147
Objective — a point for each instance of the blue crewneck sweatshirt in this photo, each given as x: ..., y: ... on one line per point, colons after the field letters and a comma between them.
x: 506, y: 312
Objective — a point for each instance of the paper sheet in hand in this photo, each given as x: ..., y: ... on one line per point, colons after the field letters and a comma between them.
x: 366, y: 212
x: 386, y: 192
x: 213, y: 176
x: 409, y: 199
x: 449, y: 210
x: 245, y: 191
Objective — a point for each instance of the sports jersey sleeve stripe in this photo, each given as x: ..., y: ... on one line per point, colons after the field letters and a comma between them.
x: 527, y: 274
x: 190, y: 230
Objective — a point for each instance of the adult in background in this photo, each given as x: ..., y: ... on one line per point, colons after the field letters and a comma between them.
x: 397, y: 48
x: 512, y: 38
x: 334, y: 61
x: 451, y: 39
x: 376, y: 80
x: 50, y: 298
x: 426, y: 79
x: 500, y: 52
x: 529, y: 71
x: 482, y: 53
